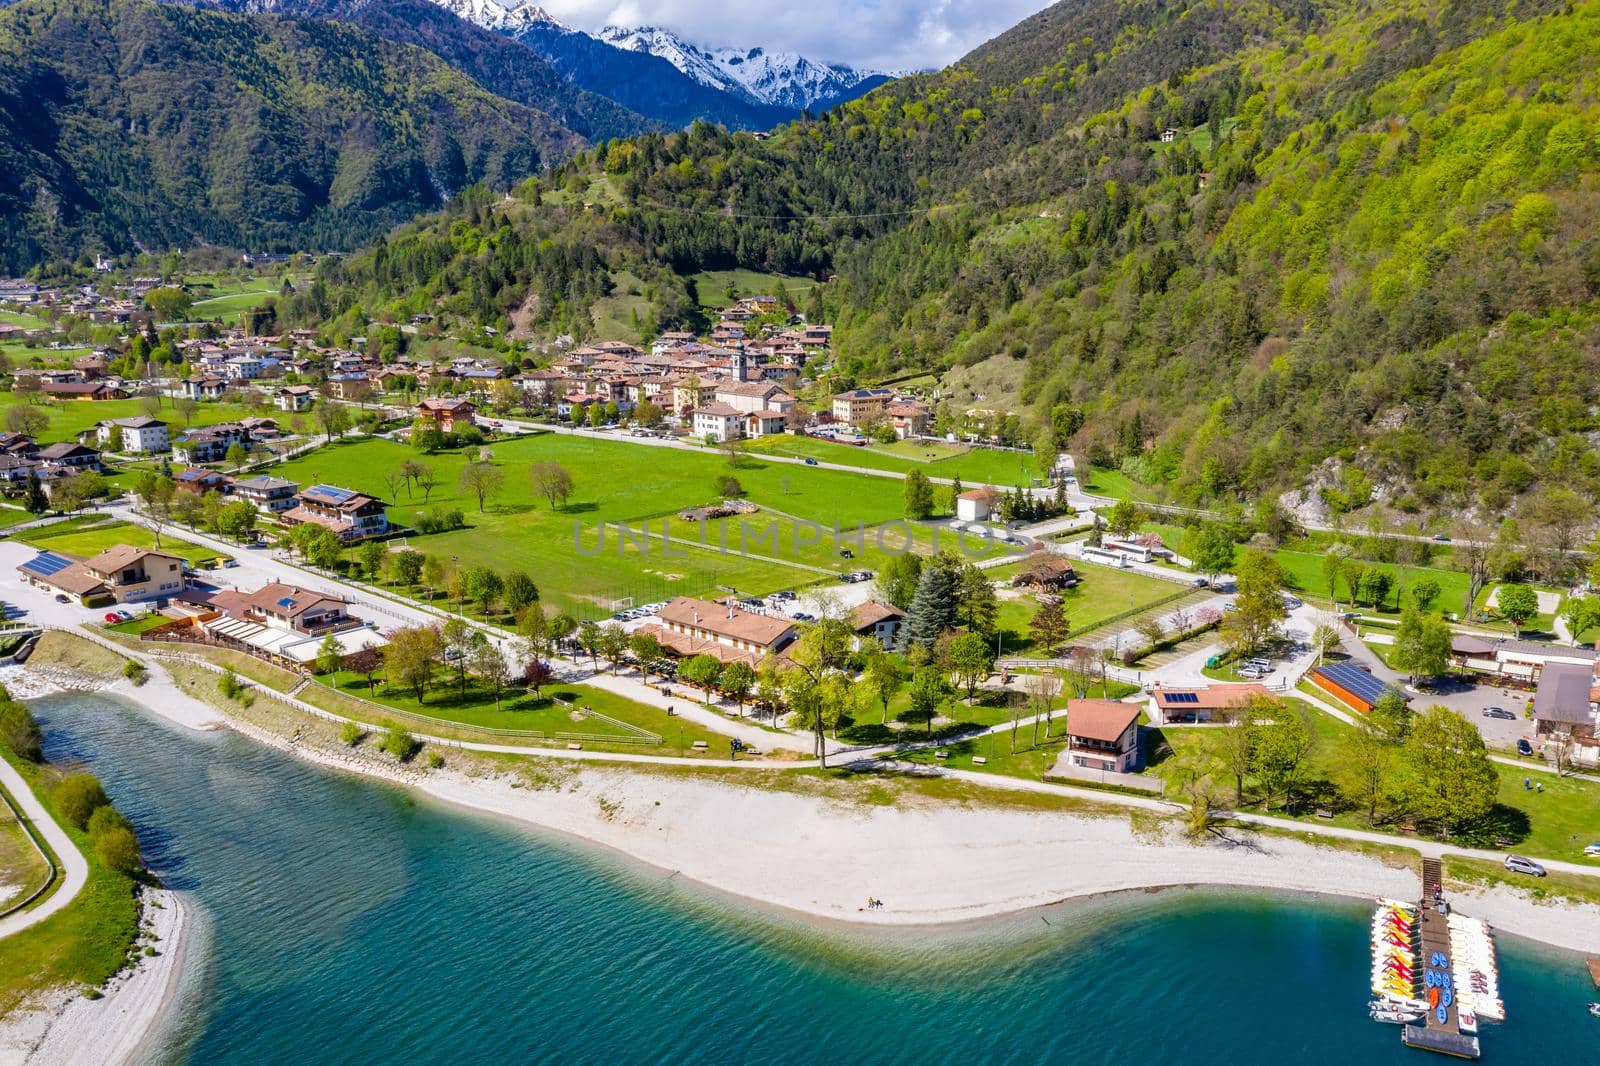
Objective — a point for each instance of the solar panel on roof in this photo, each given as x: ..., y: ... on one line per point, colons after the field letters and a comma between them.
x: 1355, y: 680
x: 337, y: 495
x: 1182, y: 697
x: 287, y: 601
x: 46, y: 563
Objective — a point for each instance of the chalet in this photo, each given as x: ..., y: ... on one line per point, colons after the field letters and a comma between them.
x: 271, y: 494
x: 861, y: 407
x: 1050, y: 574
x: 909, y: 419
x: 139, y: 435
x: 205, y: 387
x: 541, y: 386
x: 244, y: 367
x: 355, y: 386
x: 14, y: 469
x: 19, y: 444
x: 1565, y: 701
x: 84, y: 390
x: 1102, y: 735
x: 293, y: 398
x: 210, y: 444
x: 282, y: 606
x: 879, y: 620
x: 1207, y: 703
x: 1169, y: 135
x: 283, y: 622
x: 446, y: 413
x: 199, y: 480
x: 727, y: 632
x: 125, y: 574
x: 350, y: 514
x: 69, y: 455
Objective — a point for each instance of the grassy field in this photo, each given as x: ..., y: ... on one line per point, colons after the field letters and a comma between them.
x: 614, y: 482
x: 974, y: 466
x: 21, y: 354
x: 1116, y: 483
x: 22, y: 868
x: 712, y: 285
x: 68, y: 418
x: 1103, y: 593
x: 23, y: 320
x: 226, y: 300
x: 85, y: 942
x: 554, y: 710
x: 619, y: 315
x: 78, y: 538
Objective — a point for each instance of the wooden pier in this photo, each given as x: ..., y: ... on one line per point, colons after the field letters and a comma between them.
x: 1436, y: 1034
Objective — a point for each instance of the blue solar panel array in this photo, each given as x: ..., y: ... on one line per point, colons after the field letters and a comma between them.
x: 287, y: 601
x: 332, y: 493
x: 46, y: 563
x: 1356, y: 681
x: 1182, y: 697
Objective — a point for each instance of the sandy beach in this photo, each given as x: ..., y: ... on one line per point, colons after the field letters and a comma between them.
x: 68, y: 1029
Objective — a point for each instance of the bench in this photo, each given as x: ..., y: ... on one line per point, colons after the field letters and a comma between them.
x: 574, y: 746
x: 1323, y: 812
x: 700, y: 745
x: 941, y: 755
x: 979, y: 760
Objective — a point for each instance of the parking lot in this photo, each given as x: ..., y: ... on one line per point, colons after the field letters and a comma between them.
x: 1469, y: 701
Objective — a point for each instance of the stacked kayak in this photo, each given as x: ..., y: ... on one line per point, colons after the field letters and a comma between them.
x: 1477, y: 977
x: 1394, y: 952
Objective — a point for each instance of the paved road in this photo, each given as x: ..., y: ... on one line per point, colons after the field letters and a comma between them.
x: 74, y: 867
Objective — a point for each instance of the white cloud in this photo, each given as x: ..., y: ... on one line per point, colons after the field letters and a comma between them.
x: 887, y: 34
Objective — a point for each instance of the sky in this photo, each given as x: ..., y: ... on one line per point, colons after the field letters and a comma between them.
x: 884, y: 34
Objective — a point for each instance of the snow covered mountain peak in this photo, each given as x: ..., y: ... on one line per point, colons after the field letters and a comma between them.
x: 500, y: 18
x: 783, y: 79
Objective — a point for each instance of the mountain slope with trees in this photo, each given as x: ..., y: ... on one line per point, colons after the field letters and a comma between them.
x: 1366, y: 254
x: 127, y: 123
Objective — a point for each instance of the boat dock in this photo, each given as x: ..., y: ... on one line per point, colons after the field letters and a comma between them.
x: 1444, y: 1028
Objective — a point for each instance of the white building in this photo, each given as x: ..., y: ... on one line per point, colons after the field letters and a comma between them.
x: 140, y: 434
x: 718, y: 422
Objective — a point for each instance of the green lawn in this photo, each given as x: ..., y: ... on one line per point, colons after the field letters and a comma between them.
x: 23, y: 320
x: 22, y: 868
x: 1103, y: 593
x: 68, y: 418
x: 84, y: 943
x: 552, y: 711
x: 712, y: 285
x: 226, y: 300
x: 1115, y: 483
x: 614, y: 482
x: 76, y: 537
x: 974, y: 466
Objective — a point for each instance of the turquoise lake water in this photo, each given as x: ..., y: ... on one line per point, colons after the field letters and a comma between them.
x: 346, y: 921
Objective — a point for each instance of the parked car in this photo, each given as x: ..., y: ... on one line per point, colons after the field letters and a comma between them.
x: 1519, y: 865
x: 1523, y: 747
x: 62, y: 597
x: 125, y: 615
x: 1230, y: 606
x: 810, y: 461
x: 1201, y: 582
x: 1499, y: 712
x: 1441, y: 538
x: 230, y: 563
x: 111, y: 616
x: 1592, y: 851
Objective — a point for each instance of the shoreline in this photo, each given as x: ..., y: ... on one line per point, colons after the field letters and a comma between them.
x: 136, y: 1007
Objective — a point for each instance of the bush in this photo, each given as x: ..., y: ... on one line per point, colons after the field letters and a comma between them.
x: 399, y: 743
x: 106, y: 818
x: 230, y: 685
x: 20, y: 732
x: 118, y: 848
x: 77, y: 797
x: 441, y: 520
x: 135, y: 672
x: 350, y: 734
x: 435, y: 760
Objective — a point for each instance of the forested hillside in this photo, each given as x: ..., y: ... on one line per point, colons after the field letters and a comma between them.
x: 1370, y: 237
x: 125, y: 122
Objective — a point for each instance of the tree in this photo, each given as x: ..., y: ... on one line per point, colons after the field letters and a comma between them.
x: 1238, y: 743
x: 372, y: 553
x: 738, y: 680
x: 329, y: 655
x: 1042, y: 689
x: 398, y: 742
x: 1258, y: 603
x: 918, y: 494
x: 238, y: 520
x: 426, y: 478
x: 883, y: 677
x: 118, y: 847
x: 927, y: 690
x: 1582, y: 613
x: 552, y: 481
x: 1282, y: 743
x: 1424, y: 590
x: 971, y: 659
x: 77, y: 796
x: 186, y: 408
x: 34, y: 501
x: 978, y: 600
x: 613, y: 644
x: 1050, y: 626
x: 324, y: 548
x: 333, y: 419
x: 1375, y: 586
x: 1080, y: 671
x: 482, y: 480
x: 237, y: 455
x: 1446, y: 775
x: 520, y: 592
x: 1209, y: 548
x: 168, y: 303
x: 1517, y: 603
x: 483, y: 585
x: 19, y: 730
x: 647, y: 652
x: 934, y: 607
x: 1123, y: 518
x: 897, y: 579
x: 490, y: 666
x: 701, y: 671
x: 411, y: 656
x: 1325, y: 638
x: 426, y: 436
x: 589, y: 639
x: 1367, y: 759
x: 26, y: 419
x: 1422, y: 644
x: 366, y: 662
x: 536, y: 674
x: 405, y: 567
